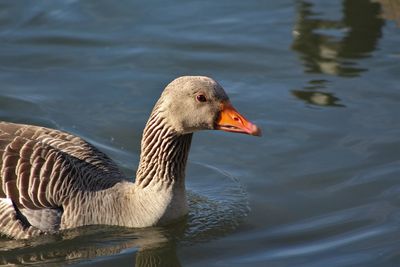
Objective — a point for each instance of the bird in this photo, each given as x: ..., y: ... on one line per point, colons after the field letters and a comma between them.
x: 52, y: 180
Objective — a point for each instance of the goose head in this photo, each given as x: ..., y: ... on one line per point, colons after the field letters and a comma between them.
x: 194, y: 103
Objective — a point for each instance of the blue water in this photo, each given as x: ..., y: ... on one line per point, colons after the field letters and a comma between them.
x: 320, y: 188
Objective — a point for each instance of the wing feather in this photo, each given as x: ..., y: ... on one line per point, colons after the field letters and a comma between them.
x: 41, y: 169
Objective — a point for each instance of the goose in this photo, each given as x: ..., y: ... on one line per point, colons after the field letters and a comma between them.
x: 52, y: 180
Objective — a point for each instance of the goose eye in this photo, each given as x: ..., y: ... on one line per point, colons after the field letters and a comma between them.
x: 201, y: 98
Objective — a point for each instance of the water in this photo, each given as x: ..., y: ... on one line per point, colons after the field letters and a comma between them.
x: 320, y: 188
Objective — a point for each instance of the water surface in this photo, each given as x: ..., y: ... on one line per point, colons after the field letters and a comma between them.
x: 320, y: 188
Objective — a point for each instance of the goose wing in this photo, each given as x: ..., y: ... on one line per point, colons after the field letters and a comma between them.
x: 42, y: 168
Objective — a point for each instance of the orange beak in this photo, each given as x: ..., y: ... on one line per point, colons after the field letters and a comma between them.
x: 231, y: 121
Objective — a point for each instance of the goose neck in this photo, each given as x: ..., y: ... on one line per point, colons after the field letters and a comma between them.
x: 164, y: 154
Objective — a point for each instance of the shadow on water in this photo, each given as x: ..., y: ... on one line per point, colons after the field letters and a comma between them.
x: 217, y: 205
x: 335, y: 46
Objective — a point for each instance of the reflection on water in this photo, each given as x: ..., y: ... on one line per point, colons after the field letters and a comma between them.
x: 390, y: 10
x: 317, y: 98
x: 215, y: 210
x: 314, y: 94
x: 153, y: 245
x: 335, y: 46
x: 332, y: 46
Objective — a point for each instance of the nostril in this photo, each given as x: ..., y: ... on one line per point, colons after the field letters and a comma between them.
x: 236, y: 118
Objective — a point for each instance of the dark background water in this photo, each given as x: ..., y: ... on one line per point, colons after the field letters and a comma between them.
x: 320, y: 188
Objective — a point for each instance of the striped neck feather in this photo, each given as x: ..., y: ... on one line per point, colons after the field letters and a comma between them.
x: 164, y: 154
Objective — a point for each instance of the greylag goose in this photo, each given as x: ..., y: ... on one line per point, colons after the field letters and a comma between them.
x: 52, y: 180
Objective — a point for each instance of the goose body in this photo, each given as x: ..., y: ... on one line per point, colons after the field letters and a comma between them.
x: 52, y: 180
